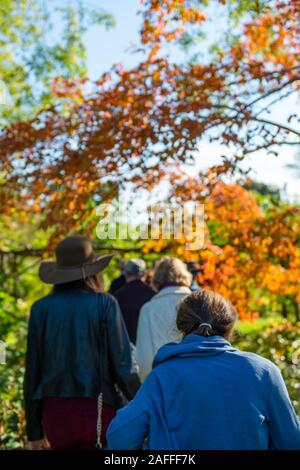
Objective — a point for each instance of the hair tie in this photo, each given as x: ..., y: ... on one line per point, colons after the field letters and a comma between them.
x: 208, y: 325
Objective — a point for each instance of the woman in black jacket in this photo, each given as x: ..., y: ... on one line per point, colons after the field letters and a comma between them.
x: 79, y: 369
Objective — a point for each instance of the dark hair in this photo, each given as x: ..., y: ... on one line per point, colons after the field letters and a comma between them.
x: 207, y: 307
x: 90, y: 284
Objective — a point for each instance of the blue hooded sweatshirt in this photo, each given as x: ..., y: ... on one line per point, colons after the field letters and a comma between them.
x: 204, y: 394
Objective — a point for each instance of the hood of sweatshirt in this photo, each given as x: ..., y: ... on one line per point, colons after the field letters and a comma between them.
x: 193, y: 345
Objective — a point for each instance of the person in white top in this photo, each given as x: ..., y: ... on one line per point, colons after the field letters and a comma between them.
x: 157, y: 320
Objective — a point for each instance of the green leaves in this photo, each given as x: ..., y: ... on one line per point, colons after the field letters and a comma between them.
x: 279, y: 342
x: 38, y: 42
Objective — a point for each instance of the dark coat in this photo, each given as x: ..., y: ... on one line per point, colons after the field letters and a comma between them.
x: 117, y: 283
x: 77, y: 347
x: 131, y: 297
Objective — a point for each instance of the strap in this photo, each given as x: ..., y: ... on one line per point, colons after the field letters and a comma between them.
x: 99, y: 420
x: 99, y: 402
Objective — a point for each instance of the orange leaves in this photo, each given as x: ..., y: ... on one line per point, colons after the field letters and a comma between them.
x: 251, y: 253
x: 36, y: 208
x: 165, y: 21
x: 68, y: 88
x: 149, y: 104
x: 192, y: 15
x: 273, y: 37
x: 130, y: 125
x: 72, y: 205
x: 156, y: 110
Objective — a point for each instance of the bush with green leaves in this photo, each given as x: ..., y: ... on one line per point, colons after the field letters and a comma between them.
x: 13, y: 329
x: 278, y: 341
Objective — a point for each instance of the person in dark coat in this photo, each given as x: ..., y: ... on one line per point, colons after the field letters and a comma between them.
x: 133, y: 295
x: 194, y: 269
x: 120, y: 281
x: 79, y: 368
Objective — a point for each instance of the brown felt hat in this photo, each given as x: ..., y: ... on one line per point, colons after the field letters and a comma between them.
x: 75, y: 260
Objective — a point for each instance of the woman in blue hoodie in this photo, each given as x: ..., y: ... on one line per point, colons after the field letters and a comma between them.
x: 205, y: 394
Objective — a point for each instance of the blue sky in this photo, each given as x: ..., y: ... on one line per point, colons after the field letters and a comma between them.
x: 105, y: 48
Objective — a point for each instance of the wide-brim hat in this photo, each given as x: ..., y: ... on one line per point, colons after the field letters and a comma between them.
x: 75, y: 260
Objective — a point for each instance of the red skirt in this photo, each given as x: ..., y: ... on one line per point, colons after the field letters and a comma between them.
x: 71, y: 423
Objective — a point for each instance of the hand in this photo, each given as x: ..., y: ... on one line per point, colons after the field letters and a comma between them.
x: 41, y: 444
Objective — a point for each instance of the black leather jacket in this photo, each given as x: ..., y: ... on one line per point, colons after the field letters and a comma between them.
x: 77, y: 346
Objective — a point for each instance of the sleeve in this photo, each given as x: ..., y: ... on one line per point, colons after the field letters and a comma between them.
x: 144, y: 346
x: 130, y: 427
x: 31, y: 381
x: 125, y: 373
x: 283, y: 421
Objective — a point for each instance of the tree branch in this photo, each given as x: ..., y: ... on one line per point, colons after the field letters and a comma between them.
x: 271, y: 92
x: 276, y: 124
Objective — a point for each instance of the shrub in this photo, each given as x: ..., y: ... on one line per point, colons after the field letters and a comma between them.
x: 13, y: 326
x: 280, y: 343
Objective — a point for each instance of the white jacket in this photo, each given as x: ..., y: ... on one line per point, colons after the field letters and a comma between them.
x: 157, y: 325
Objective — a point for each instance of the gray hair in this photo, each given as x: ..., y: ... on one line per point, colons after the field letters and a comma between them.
x: 171, y: 271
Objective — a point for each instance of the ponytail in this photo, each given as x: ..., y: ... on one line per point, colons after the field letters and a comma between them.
x: 206, y: 313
